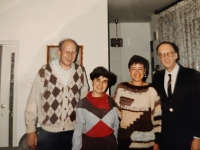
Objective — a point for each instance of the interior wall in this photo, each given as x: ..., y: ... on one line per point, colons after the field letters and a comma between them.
x: 155, y: 42
x: 36, y: 24
x: 136, y: 41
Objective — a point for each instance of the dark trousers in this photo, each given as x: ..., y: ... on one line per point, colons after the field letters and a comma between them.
x: 175, y: 137
x: 54, y: 141
x: 124, y: 145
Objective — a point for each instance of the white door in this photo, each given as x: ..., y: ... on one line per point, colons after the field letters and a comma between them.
x: 7, y: 94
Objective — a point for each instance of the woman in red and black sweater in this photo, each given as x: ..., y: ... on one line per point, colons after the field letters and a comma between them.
x: 97, y: 122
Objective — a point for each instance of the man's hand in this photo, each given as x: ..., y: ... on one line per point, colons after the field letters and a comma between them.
x: 156, y: 147
x: 32, y: 139
x: 195, y: 144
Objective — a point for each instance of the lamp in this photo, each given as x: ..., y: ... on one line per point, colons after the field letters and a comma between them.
x: 116, y: 42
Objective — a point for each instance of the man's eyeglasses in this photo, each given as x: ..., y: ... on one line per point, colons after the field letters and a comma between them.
x: 70, y: 53
x: 168, y: 54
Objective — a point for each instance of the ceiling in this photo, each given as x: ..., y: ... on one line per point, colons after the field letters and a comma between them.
x: 136, y: 10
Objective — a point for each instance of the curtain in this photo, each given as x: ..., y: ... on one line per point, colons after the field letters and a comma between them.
x: 181, y: 24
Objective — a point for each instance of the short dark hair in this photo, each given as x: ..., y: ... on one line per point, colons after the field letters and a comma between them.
x: 173, y: 45
x: 101, y: 71
x: 68, y: 40
x: 136, y: 59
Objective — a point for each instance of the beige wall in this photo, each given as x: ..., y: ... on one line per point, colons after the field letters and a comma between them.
x: 154, y: 38
x: 38, y: 23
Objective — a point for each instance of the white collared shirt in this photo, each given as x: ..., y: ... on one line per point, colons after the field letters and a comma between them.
x: 173, y: 73
x: 63, y: 74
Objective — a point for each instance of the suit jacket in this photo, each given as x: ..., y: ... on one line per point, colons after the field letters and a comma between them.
x: 183, y: 121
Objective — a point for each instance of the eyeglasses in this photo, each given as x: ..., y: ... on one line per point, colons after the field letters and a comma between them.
x: 168, y: 54
x: 70, y: 53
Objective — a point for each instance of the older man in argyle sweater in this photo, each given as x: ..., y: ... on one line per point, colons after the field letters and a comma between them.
x: 52, y: 103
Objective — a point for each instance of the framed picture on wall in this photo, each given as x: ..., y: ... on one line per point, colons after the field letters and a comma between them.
x: 52, y: 53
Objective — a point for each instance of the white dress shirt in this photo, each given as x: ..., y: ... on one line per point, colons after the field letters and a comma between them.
x: 63, y: 74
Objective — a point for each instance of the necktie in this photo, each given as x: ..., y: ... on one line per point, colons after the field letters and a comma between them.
x: 169, y: 87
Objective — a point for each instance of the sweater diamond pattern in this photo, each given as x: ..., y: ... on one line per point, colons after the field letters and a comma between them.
x: 46, y: 107
x: 99, y: 130
x: 78, y: 83
x: 76, y: 77
x: 74, y: 84
x: 79, y: 72
x: 55, y: 105
x: 74, y: 102
x: 53, y: 79
x: 75, y: 89
x: 52, y: 102
x: 99, y: 125
x: 52, y: 97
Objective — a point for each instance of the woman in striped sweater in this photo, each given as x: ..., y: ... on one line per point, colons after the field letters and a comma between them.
x: 139, y: 109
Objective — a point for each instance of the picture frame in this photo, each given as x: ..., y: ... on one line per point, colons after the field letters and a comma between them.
x: 52, y: 53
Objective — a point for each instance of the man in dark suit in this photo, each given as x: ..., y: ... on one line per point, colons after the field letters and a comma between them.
x: 180, y: 97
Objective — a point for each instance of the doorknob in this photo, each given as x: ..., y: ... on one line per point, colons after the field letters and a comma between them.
x: 3, y: 106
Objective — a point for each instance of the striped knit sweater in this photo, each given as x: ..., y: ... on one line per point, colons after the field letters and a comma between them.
x: 140, y: 113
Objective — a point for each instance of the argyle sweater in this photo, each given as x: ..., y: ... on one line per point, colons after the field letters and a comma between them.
x: 140, y: 113
x: 52, y: 104
x: 95, y: 124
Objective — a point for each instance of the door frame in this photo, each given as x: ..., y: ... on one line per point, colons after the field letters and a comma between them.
x: 16, y: 44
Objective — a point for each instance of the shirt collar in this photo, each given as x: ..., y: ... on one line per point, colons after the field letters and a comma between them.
x: 174, y: 72
x: 60, y: 68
